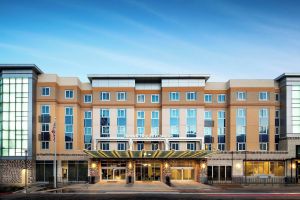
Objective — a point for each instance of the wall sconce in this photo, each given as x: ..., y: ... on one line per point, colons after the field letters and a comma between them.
x: 294, y: 166
x: 94, y: 165
x: 166, y: 165
x: 238, y: 165
x: 203, y: 165
x: 129, y: 165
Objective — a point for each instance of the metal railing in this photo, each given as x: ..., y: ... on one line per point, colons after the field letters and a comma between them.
x: 254, y: 180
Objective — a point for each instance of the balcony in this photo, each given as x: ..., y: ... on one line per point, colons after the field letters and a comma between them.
x: 208, y: 123
x: 175, y: 135
x: 191, y: 134
x: 44, y: 118
x: 106, y: 135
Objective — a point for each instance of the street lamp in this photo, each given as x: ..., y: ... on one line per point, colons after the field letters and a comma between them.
x: 26, y: 171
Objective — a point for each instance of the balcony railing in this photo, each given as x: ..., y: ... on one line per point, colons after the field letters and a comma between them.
x: 44, y: 118
x: 105, y: 135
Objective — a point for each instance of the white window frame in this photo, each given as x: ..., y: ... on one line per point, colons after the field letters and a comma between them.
x: 102, y: 145
x: 102, y: 95
x: 238, y: 146
x: 84, y: 100
x: 191, y: 144
x: 70, y: 93
x: 267, y: 96
x: 175, y: 94
x: 121, y: 144
x: 205, y: 98
x: 190, y: 94
x: 47, y: 94
x: 222, y: 95
x: 140, y: 95
x: 152, y: 95
x: 121, y: 93
x: 244, y: 94
x: 138, y: 145
x: 176, y: 144
x: 264, y: 144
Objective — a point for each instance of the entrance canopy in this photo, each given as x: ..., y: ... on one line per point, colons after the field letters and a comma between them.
x: 158, y: 154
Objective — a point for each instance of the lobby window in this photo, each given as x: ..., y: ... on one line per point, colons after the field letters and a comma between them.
x: 155, y: 123
x: 105, y: 146
x: 140, y: 98
x: 87, y: 130
x: 241, y: 96
x: 277, y: 129
x: 87, y: 98
x: 154, y: 146
x: 121, y: 96
x: 263, y: 129
x: 277, y: 97
x: 221, y: 98
x: 174, y: 146
x: 207, y: 98
x: 140, y: 123
x: 121, y: 123
x: 191, y: 96
x: 121, y: 146
x: 14, y: 129
x: 45, y: 127
x: 296, y: 109
x: 140, y: 146
x: 191, y: 122
x: 221, y: 130
x: 104, y: 123
x: 174, y: 122
x: 46, y: 91
x: 191, y: 146
x: 273, y: 168
x: 264, y: 96
x: 241, y: 129
x: 68, y: 127
x: 154, y: 98
x: 174, y: 96
x: 104, y: 96
x: 69, y: 94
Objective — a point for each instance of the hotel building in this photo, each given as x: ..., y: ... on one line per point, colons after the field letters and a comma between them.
x: 147, y: 127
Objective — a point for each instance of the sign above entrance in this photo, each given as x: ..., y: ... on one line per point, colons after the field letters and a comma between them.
x: 158, y: 154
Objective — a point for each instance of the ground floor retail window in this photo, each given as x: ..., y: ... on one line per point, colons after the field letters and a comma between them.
x: 44, y: 170
x: 182, y: 173
x: 147, y: 171
x: 254, y: 168
x: 113, y: 170
x: 75, y: 170
x: 219, y: 172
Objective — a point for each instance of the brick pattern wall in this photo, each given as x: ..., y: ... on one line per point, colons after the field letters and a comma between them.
x: 11, y: 171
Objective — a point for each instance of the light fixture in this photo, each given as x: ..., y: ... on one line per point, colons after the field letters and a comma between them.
x: 294, y: 166
x: 203, y: 165
x: 94, y: 165
x: 166, y: 165
x: 238, y: 165
x: 129, y: 165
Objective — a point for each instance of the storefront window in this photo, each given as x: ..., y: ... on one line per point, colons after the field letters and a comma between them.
x: 255, y: 168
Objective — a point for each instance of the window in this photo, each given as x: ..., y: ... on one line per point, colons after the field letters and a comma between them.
x: 69, y: 94
x: 174, y: 96
x: 208, y: 146
x: 140, y: 146
x: 263, y: 146
x: 263, y: 121
x: 87, y: 130
x: 277, y: 129
x: 241, y: 129
x: 191, y: 96
x: 154, y: 146
x: 277, y: 97
x: 105, y: 146
x: 174, y: 122
x: 45, y: 91
x: 104, y: 96
x: 154, y: 98
x: 69, y: 127
x: 45, y: 127
x: 174, y: 146
x: 221, y: 147
x: 207, y: 98
x: 207, y: 115
x: 296, y: 109
x: 140, y: 123
x: 140, y: 98
x: 155, y: 123
x: 263, y: 96
x: 45, y: 145
x: 241, y: 146
x: 87, y: 98
x: 221, y: 98
x: 241, y: 96
x: 121, y: 96
x: 191, y: 123
x: 221, y: 122
x: 105, y: 123
x: 121, y: 123
x: 121, y: 146
x: 45, y: 109
x: 191, y: 146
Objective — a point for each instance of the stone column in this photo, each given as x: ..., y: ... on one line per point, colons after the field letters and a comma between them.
x: 203, y: 171
x: 166, y: 170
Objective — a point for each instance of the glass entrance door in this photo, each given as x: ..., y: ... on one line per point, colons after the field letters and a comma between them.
x: 182, y: 173
x: 116, y: 174
x: 149, y: 171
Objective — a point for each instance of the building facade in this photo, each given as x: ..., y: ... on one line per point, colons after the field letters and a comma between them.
x: 147, y: 127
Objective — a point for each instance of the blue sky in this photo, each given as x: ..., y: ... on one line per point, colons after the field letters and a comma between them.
x: 227, y: 39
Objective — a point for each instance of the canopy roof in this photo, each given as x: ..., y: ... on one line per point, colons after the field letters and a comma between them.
x: 158, y: 154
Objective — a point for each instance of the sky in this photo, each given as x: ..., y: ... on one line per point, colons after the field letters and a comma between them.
x: 228, y: 39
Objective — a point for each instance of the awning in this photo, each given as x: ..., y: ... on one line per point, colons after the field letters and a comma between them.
x: 158, y: 154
